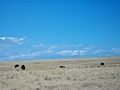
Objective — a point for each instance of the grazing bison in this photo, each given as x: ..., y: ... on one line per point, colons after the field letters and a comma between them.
x: 62, y: 66
x: 16, y: 66
x: 102, y: 64
x: 23, y: 67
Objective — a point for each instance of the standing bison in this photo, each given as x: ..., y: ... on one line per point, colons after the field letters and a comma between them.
x: 23, y: 67
x: 102, y: 64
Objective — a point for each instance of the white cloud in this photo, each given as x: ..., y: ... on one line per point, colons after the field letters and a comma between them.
x: 100, y: 51
x: 71, y: 52
x: 83, y: 52
x: 44, y: 51
x: 53, y: 47
x: 79, y: 45
x: 28, y: 55
x: 66, y: 52
x: 50, y: 52
x: 108, y: 52
x: 116, y: 50
x: 38, y: 46
x: 11, y: 40
x: 64, y: 46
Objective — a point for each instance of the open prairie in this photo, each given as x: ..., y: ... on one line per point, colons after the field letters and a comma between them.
x: 66, y: 74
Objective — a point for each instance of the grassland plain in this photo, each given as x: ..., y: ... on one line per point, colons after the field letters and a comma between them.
x: 78, y: 74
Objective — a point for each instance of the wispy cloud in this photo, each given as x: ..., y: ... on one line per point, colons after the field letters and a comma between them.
x: 72, y: 52
x: 67, y: 52
x: 116, y: 50
x: 38, y: 46
x: 108, y: 52
x: 43, y: 51
x: 28, y: 55
x: 100, y: 51
x: 11, y: 40
x: 64, y: 46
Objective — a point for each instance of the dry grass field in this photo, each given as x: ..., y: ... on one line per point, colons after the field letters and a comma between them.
x: 77, y: 74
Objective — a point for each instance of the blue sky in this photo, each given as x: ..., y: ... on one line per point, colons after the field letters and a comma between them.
x: 46, y: 29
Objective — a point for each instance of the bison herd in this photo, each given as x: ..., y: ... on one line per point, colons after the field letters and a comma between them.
x: 101, y: 64
x: 23, y: 66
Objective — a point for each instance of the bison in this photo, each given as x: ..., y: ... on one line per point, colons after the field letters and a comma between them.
x: 62, y: 66
x: 23, y: 67
x: 102, y: 64
x: 16, y: 66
